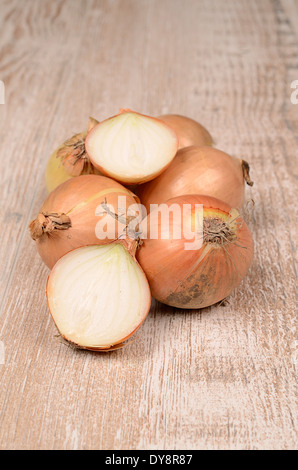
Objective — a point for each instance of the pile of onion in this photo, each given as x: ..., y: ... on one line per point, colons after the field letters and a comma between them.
x: 178, y: 238
x: 69, y: 160
x: 71, y: 214
x: 202, y: 268
x: 199, y: 170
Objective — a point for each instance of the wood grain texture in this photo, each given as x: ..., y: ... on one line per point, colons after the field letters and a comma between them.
x: 224, y: 377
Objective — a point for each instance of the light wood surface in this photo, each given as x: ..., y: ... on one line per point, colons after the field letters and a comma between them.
x: 224, y: 377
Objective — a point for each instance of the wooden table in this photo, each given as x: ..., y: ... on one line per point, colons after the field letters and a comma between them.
x: 220, y: 378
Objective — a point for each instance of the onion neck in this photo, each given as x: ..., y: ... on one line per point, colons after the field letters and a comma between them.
x: 245, y: 171
x: 47, y: 223
x: 73, y: 153
x: 131, y: 245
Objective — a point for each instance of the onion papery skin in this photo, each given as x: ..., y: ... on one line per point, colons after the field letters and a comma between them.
x: 59, y: 170
x: 55, y: 172
x: 130, y: 147
x: 98, y: 296
x: 189, y: 131
x: 78, y: 199
x: 193, y: 279
x: 198, y: 170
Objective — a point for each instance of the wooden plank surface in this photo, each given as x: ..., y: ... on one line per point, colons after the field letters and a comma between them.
x: 224, y: 377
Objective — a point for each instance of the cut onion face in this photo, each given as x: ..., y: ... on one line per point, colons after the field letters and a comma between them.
x: 131, y: 147
x: 98, y: 296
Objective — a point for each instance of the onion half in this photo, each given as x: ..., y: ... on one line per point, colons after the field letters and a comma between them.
x: 70, y: 215
x: 69, y: 160
x: 131, y: 147
x: 186, y: 278
x: 199, y: 170
x: 98, y: 296
x: 189, y: 131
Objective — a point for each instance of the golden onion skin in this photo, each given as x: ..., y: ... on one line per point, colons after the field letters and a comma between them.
x: 193, y: 279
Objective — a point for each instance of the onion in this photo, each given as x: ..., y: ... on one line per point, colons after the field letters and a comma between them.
x: 189, y: 131
x: 74, y: 212
x: 131, y: 147
x: 98, y: 296
x: 180, y: 272
x: 199, y: 170
x: 70, y: 160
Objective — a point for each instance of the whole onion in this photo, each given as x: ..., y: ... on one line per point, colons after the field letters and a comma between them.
x: 199, y: 170
x: 70, y: 215
x: 202, y: 274
x: 189, y: 131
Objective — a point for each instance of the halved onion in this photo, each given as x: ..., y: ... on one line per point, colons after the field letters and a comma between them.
x: 98, y: 296
x: 70, y: 159
x: 131, y: 147
x: 199, y: 170
x: 199, y: 268
x: 72, y: 214
x: 189, y: 131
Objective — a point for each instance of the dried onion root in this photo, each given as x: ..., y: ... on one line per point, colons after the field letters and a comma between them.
x: 130, y: 147
x: 98, y: 296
